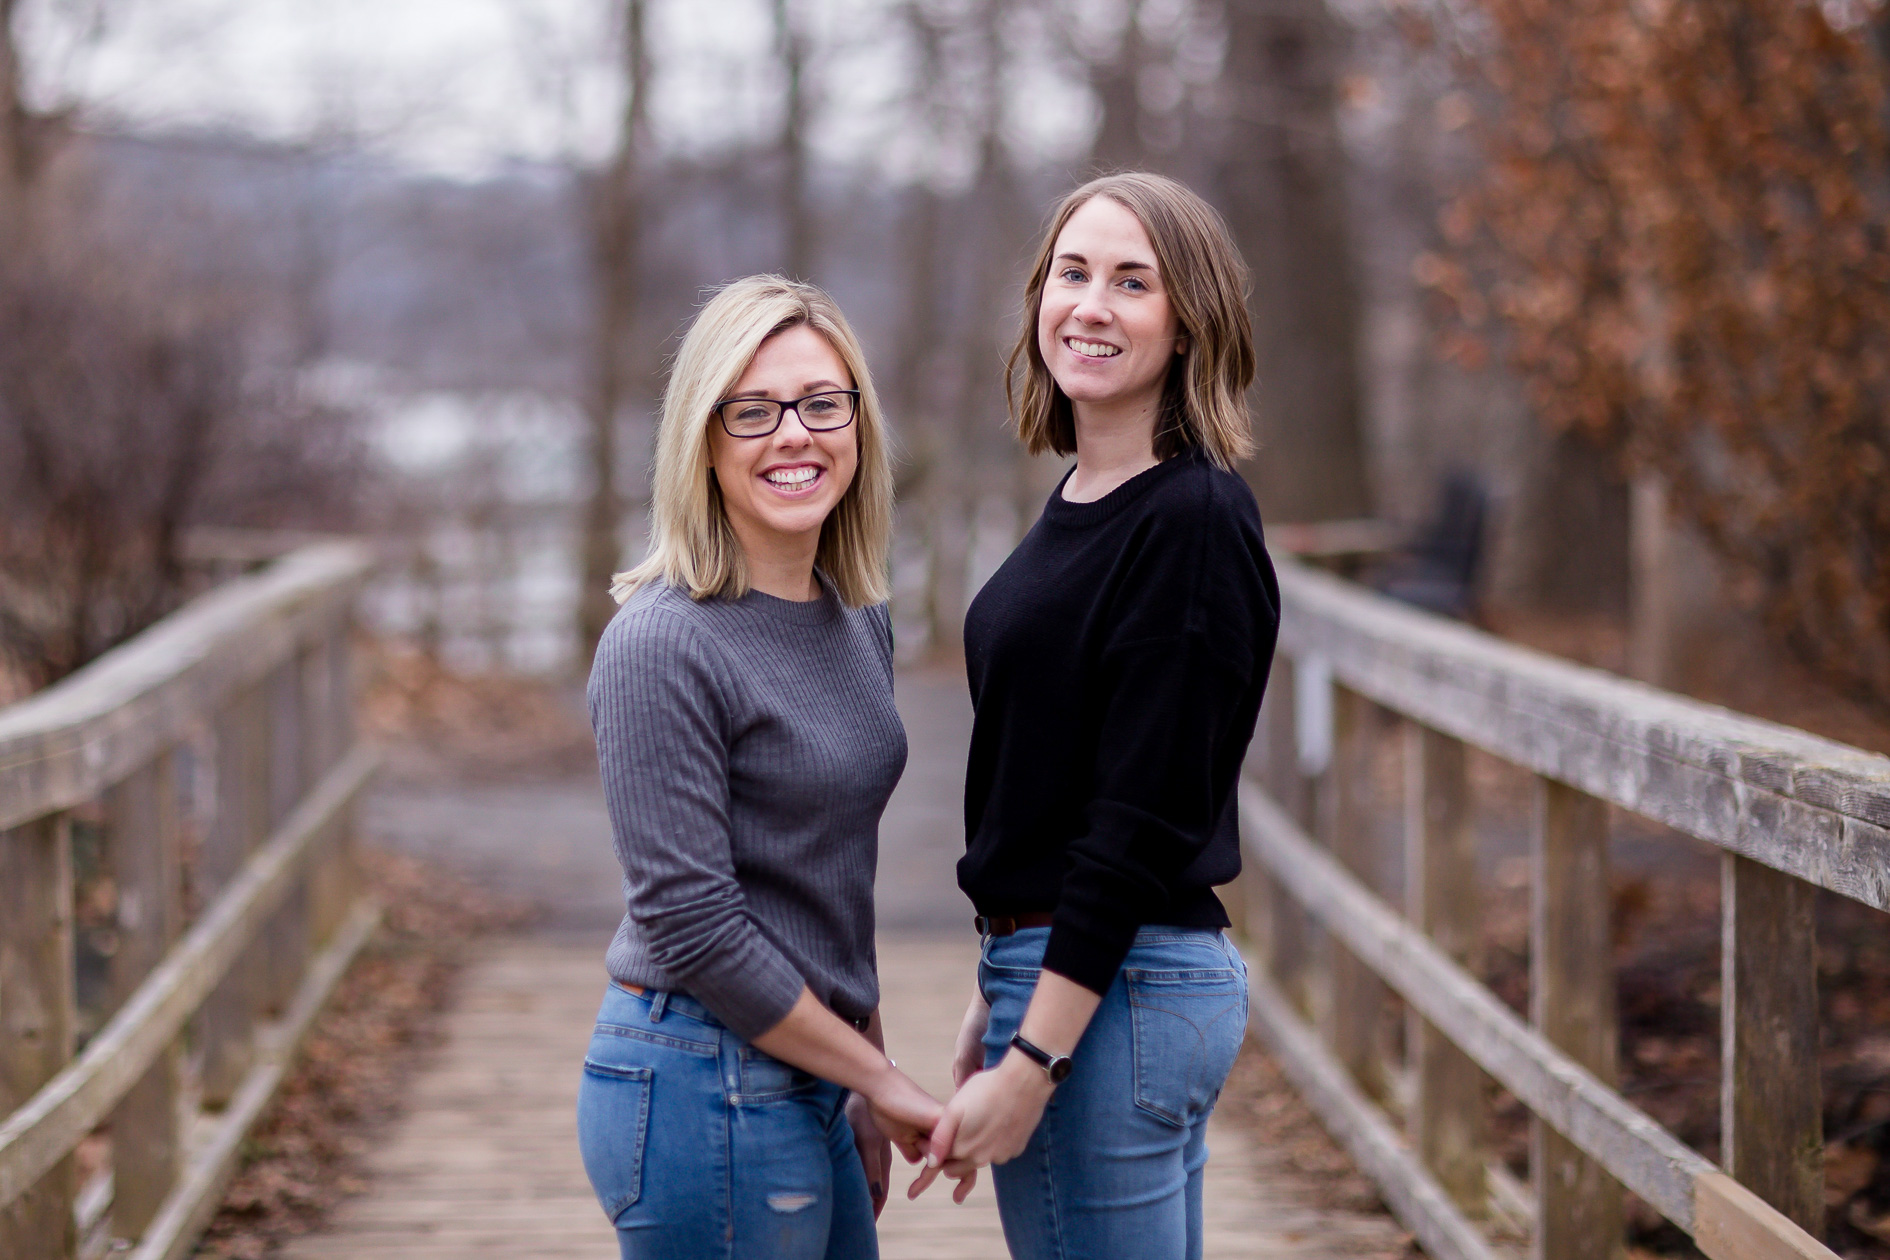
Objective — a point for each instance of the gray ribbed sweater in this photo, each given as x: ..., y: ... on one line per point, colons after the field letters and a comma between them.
x: 748, y: 748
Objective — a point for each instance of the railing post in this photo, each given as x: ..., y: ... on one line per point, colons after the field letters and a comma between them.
x: 144, y: 835
x: 1356, y: 1003
x: 1771, y: 1100
x: 37, y: 1018
x: 1448, y: 1115
x: 1572, y: 1002
x: 227, y: 1018
x: 286, y: 936
x: 1288, y: 946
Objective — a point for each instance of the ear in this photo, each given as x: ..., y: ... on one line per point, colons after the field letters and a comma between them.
x: 1181, y: 344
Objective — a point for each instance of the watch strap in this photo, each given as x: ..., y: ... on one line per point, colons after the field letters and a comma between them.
x: 1055, y: 1066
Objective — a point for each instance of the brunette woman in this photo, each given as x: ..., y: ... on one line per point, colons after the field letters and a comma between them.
x: 743, y: 706
x: 1116, y: 662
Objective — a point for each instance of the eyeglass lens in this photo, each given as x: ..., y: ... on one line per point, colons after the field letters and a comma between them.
x: 754, y: 417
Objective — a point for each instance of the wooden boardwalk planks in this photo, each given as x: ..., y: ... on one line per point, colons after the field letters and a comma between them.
x: 485, y: 1164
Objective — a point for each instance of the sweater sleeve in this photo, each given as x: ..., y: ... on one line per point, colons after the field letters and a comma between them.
x: 662, y: 731
x: 1177, y: 677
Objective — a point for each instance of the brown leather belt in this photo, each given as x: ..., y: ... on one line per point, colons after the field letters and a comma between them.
x: 1005, y: 924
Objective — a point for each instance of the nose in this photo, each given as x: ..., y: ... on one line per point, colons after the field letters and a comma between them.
x: 797, y: 434
x: 1093, y: 306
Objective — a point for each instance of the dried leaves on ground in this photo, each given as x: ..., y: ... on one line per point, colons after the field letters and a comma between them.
x: 441, y: 726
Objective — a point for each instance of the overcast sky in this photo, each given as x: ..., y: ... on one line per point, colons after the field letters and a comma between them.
x: 461, y: 85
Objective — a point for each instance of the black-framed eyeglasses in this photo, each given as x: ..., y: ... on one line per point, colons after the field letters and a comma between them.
x: 758, y: 417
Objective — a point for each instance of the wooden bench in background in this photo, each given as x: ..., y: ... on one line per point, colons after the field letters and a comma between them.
x: 213, y: 759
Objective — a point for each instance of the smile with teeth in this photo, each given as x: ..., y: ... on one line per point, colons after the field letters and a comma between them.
x: 1092, y: 349
x: 797, y: 478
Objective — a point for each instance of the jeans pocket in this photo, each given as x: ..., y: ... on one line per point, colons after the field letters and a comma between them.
x: 1187, y: 1028
x: 765, y: 1078
x: 613, y: 1129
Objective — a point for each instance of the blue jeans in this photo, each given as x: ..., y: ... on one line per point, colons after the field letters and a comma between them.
x: 1114, y: 1170
x: 699, y: 1145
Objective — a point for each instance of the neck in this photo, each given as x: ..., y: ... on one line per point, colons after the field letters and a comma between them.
x: 782, y: 566
x: 1114, y: 442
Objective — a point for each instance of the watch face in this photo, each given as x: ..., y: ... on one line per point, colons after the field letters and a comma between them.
x: 1059, y: 1068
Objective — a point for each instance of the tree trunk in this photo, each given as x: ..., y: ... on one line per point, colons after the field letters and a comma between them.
x: 614, y: 206
x: 797, y: 218
x: 1281, y: 180
x: 15, y: 161
x: 1119, y: 145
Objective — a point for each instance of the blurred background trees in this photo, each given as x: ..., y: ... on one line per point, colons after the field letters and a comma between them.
x: 1616, y: 267
x: 1680, y: 242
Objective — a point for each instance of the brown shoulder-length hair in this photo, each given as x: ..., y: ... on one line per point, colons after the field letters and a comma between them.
x: 1204, y: 398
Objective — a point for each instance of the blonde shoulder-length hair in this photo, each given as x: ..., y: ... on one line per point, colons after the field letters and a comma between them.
x: 1204, y: 401
x: 692, y: 545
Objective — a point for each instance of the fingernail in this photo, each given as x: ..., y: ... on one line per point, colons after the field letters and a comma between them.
x: 931, y: 1160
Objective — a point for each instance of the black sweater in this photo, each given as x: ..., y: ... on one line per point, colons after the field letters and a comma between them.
x: 1117, y: 661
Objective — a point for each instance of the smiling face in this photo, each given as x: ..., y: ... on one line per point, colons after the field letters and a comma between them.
x: 779, y: 489
x: 1105, y: 326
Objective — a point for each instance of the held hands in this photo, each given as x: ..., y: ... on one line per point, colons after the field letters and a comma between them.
x: 988, y: 1121
x: 894, y: 1112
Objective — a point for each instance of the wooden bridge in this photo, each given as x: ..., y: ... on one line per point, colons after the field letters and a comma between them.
x: 209, y: 767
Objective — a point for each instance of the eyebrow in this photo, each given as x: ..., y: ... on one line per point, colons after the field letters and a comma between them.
x: 1130, y: 265
x: 812, y: 387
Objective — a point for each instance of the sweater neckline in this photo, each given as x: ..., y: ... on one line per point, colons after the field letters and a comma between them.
x: 1060, y: 511
x: 800, y: 612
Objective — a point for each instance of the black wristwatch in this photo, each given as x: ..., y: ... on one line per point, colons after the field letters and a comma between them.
x: 1055, y: 1066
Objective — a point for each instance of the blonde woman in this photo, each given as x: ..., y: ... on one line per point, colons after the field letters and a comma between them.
x: 736, y: 1099
x: 1116, y: 661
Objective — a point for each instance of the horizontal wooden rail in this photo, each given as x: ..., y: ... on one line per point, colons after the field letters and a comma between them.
x: 71, y: 742
x: 195, y: 791
x: 1362, y: 1129
x: 198, y: 1193
x: 39, y: 1134
x: 1727, y: 1221
x: 1815, y: 809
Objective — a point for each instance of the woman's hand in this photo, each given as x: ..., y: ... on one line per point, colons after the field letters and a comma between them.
x: 988, y: 1121
x: 875, y: 1151
x: 968, y: 1052
x: 902, y: 1111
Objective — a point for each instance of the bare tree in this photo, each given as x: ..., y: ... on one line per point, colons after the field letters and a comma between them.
x: 615, y: 211
x: 1280, y: 179
x: 797, y: 212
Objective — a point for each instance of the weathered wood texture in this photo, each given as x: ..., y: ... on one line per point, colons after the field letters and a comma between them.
x: 1420, y: 1202
x: 37, y: 1021
x: 1355, y: 1004
x: 1449, y: 1104
x: 1289, y: 944
x: 68, y: 1107
x: 1771, y: 1101
x: 144, y: 837
x: 247, y: 687
x: 1579, y: 1213
x: 1784, y: 798
x: 1622, y: 1139
x: 72, y: 742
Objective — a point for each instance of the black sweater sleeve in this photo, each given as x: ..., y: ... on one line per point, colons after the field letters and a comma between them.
x: 1178, y: 688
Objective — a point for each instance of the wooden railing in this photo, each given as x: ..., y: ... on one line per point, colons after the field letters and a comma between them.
x: 211, y: 765
x: 1789, y: 811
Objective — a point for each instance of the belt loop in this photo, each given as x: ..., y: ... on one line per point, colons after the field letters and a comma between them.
x: 659, y: 1002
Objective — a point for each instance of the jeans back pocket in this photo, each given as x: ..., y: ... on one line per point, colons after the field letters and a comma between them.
x: 613, y: 1130
x: 1187, y: 1027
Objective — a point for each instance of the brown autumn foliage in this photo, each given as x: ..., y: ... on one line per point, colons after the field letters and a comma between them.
x: 1679, y: 239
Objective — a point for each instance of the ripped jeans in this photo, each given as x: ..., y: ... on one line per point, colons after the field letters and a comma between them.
x: 1114, y: 1170
x: 699, y: 1145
